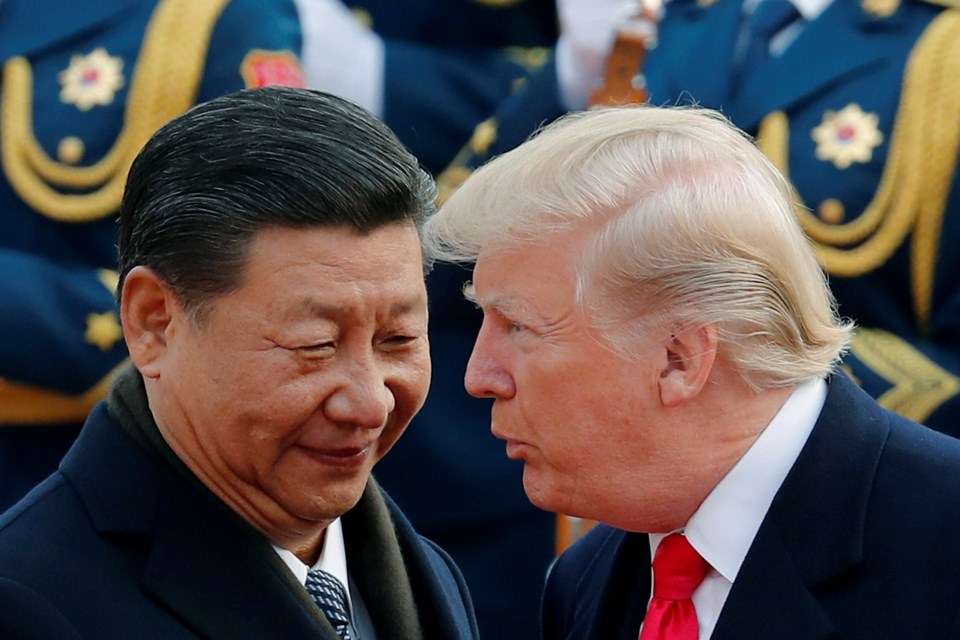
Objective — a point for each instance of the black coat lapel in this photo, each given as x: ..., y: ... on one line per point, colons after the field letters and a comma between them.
x: 211, y: 570
x: 225, y: 582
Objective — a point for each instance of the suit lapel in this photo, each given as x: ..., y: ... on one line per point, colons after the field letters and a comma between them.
x: 224, y: 584
x: 611, y: 598
x: 798, y: 549
x: 844, y: 34
x: 770, y: 599
x: 215, y: 573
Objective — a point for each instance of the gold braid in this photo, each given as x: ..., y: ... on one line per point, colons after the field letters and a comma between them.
x: 918, y: 175
x: 938, y: 76
x: 165, y: 84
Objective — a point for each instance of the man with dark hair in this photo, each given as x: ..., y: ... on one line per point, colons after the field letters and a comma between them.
x: 273, y: 304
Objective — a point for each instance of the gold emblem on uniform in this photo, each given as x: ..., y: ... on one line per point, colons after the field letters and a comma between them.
x: 91, y: 80
x: 847, y: 136
x: 103, y: 330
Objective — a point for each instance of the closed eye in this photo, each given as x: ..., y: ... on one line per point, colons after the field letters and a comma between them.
x: 318, y: 348
x: 400, y: 340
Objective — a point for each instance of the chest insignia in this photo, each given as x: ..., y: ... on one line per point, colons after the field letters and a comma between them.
x: 847, y: 136
x: 91, y: 80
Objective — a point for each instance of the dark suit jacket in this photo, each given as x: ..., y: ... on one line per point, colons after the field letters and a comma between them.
x: 860, y: 542
x: 120, y: 544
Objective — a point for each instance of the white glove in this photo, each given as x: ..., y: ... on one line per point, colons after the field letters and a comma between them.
x: 587, y: 29
x: 340, y: 55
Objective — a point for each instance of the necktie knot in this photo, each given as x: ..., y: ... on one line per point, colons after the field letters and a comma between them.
x: 677, y: 569
x: 331, y: 596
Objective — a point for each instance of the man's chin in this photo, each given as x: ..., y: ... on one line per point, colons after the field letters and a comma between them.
x: 539, y: 493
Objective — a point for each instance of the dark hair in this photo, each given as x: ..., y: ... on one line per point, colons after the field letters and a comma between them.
x: 207, y: 181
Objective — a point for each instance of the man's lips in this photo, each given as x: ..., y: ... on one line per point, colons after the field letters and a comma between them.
x: 516, y: 450
x: 343, y: 457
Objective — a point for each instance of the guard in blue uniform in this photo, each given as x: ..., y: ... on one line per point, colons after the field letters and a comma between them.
x: 858, y: 105
x: 84, y: 84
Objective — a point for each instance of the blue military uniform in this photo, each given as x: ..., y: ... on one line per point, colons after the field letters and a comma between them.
x: 860, y: 111
x: 84, y: 85
x: 448, y: 65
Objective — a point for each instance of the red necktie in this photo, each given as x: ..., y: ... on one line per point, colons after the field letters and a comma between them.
x: 677, y: 571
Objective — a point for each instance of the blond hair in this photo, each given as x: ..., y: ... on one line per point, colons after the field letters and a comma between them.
x: 682, y: 217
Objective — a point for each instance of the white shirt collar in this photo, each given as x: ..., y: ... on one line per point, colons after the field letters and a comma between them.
x: 723, y: 527
x: 333, y: 558
x: 809, y: 9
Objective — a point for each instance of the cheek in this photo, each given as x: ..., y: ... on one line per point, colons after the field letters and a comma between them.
x: 409, y: 382
x: 270, y: 411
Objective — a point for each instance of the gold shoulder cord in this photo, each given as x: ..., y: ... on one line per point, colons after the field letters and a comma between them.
x: 165, y: 84
x: 916, y: 179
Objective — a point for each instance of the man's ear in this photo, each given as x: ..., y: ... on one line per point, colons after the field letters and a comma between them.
x: 147, y: 309
x: 691, y: 352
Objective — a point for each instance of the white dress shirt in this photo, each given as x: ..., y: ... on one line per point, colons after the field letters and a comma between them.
x: 333, y: 560
x: 724, y: 526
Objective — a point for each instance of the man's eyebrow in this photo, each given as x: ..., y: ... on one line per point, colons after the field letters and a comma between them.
x: 315, y: 308
x: 506, y: 306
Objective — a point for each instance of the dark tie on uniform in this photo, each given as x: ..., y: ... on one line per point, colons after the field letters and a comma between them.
x: 677, y: 572
x: 331, y: 597
x: 768, y: 18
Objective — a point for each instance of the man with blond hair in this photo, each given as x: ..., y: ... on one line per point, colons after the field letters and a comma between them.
x: 662, y: 347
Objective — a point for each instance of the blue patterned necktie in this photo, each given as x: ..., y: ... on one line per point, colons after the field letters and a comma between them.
x: 331, y: 597
x: 768, y: 18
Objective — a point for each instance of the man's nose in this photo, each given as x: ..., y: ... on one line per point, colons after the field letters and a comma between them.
x: 362, y: 398
x: 485, y: 377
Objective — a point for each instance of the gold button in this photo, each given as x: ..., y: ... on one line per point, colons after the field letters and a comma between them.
x: 70, y: 150
x: 880, y: 8
x: 831, y: 211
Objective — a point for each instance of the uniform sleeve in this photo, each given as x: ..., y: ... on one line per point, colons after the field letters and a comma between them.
x: 917, y: 378
x: 66, y: 332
